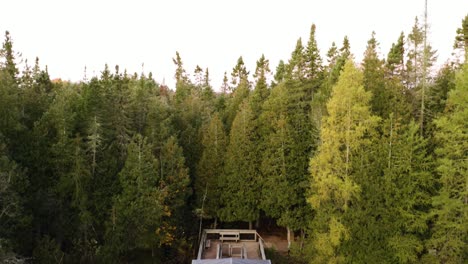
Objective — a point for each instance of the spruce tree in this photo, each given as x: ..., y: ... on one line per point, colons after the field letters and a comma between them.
x: 138, y: 209
x: 313, y: 60
x: 297, y: 64
x: 211, y: 166
x: 374, y: 79
x: 395, y: 58
x: 449, y: 240
x: 240, y: 185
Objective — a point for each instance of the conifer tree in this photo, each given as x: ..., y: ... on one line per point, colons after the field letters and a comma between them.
x: 313, y: 60
x: 137, y: 210
x: 284, y: 161
x: 374, y: 78
x: 297, y: 63
x: 239, y: 92
x: 261, y: 91
x: 239, y: 72
x: 9, y: 55
x: 395, y: 58
x: 461, y: 40
x: 409, y: 182
x: 334, y: 188
x: 240, y: 186
x: 449, y: 239
x: 211, y: 165
x: 280, y: 71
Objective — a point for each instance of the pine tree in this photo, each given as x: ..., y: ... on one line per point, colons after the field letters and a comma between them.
x: 313, y: 60
x: 339, y: 58
x: 240, y: 186
x: 240, y: 92
x: 138, y: 209
x: 461, y: 39
x: 239, y: 73
x: 374, y: 78
x: 211, y: 166
x: 198, y: 73
x: 297, y: 64
x: 395, y: 58
x: 343, y: 134
x: 175, y: 185
x: 225, y: 85
x: 261, y: 91
x: 449, y: 239
x: 9, y: 55
x: 284, y: 160
x: 408, y: 185
x: 280, y: 72
x: 180, y: 74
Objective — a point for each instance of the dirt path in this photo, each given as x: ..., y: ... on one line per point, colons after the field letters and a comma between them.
x: 276, y: 241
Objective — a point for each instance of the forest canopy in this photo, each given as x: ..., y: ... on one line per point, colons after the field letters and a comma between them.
x: 360, y: 161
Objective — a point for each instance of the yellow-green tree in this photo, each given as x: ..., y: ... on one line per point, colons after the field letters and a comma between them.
x: 344, y: 132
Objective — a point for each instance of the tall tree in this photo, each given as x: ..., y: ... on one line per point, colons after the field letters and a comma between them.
x: 284, y: 160
x: 240, y: 186
x: 409, y: 183
x: 9, y: 56
x: 297, y: 64
x: 211, y: 166
x: 138, y: 209
x: 313, y: 60
x: 450, y: 234
x: 240, y: 91
x: 395, y: 58
x: 343, y: 134
x: 239, y: 72
x: 374, y: 78
x: 261, y: 91
x: 280, y: 71
x: 461, y: 40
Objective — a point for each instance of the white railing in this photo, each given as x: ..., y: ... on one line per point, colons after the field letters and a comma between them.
x: 222, y: 232
x: 201, y: 245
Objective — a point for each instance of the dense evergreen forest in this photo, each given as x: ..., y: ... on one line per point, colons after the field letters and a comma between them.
x: 361, y: 162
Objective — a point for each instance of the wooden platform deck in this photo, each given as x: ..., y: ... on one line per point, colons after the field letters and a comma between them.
x: 243, y: 245
x: 252, y: 248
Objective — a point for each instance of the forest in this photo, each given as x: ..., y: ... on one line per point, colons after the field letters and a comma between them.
x: 359, y: 161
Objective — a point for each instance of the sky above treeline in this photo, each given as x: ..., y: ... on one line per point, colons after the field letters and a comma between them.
x: 143, y: 35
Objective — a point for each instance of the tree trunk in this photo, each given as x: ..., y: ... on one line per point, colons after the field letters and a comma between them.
x: 257, y: 223
x: 289, y: 237
x: 250, y: 225
x: 215, y: 224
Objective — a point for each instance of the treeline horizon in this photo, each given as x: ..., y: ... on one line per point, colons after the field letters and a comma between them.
x: 361, y: 162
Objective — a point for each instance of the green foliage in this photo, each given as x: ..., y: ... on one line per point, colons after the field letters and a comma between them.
x: 450, y: 235
x: 138, y: 209
x: 239, y: 72
x: 48, y: 251
x: 395, y: 58
x: 240, y: 184
x: 211, y: 165
x: 461, y: 39
x: 297, y: 64
x: 312, y: 56
x: 289, y: 140
x: 336, y: 166
x: 102, y: 171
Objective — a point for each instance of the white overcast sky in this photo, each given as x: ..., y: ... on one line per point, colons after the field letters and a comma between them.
x: 68, y: 35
